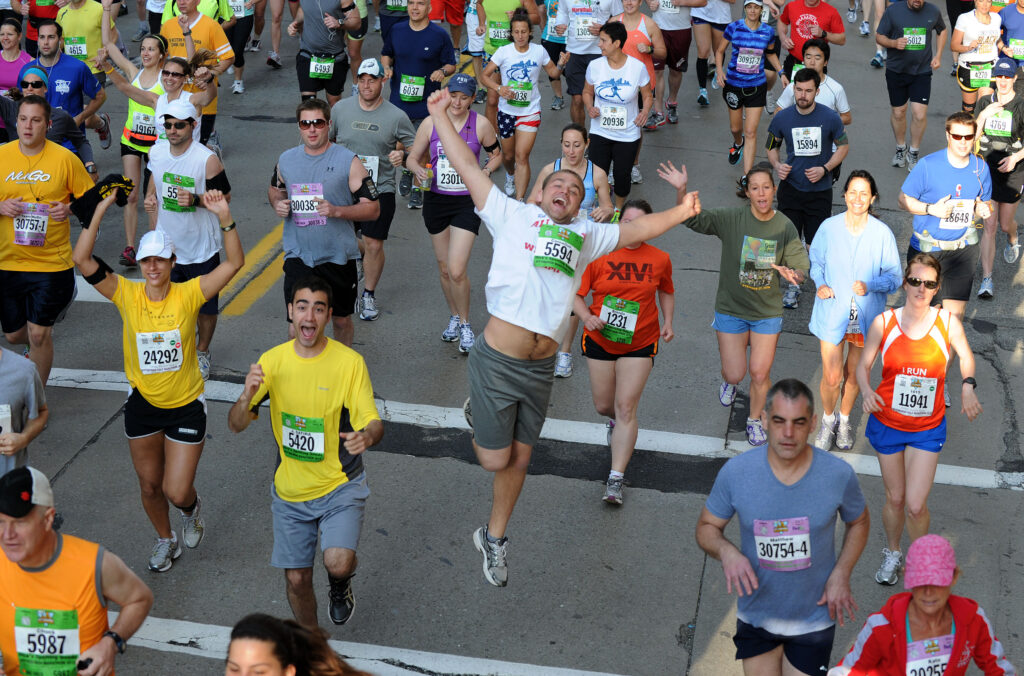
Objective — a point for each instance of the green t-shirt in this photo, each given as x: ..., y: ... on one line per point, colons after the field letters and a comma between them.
x: 496, y: 30
x: 748, y: 286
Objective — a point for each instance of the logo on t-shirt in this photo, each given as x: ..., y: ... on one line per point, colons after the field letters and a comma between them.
x: 803, y: 25
x: 609, y: 89
x: 62, y: 86
x: 521, y: 70
x: 959, y: 187
x: 36, y: 176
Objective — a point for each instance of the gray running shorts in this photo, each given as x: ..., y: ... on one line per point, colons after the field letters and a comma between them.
x: 338, y: 516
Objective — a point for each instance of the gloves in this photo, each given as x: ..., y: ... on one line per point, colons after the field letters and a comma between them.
x: 84, y: 207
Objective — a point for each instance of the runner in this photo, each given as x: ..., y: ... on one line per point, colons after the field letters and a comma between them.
x: 977, y: 43
x: 621, y: 337
x: 791, y: 585
x: 264, y: 645
x: 320, y: 189
x: 372, y: 127
x: 748, y: 305
x: 743, y: 80
x: 448, y: 210
x: 943, y: 625
x: 580, y: 22
x: 165, y: 415
x: 237, y: 32
x: 854, y: 264
x: 1011, y: 22
x: 709, y: 22
x: 673, y: 18
x: 322, y: 61
x: 520, y: 64
x: 182, y: 171
x: 54, y: 588
x: 907, y: 426
x: 498, y: 15
x: 23, y: 410
x: 276, y: 16
x: 36, y: 272
x: 805, y: 20
x: 1001, y: 143
x: 643, y: 42
x: 35, y: 13
x: 553, y: 43
x: 476, y: 20
x: 830, y: 94
x: 906, y: 28
x: 82, y: 25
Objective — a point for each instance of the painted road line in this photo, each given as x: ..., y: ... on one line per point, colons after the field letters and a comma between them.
x: 211, y: 641
x: 573, y: 431
x: 256, y: 261
x: 255, y: 289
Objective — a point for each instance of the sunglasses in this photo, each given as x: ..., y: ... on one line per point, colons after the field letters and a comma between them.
x: 960, y: 137
x: 175, y: 125
x: 929, y: 284
x: 33, y: 84
x: 318, y: 123
x: 171, y: 73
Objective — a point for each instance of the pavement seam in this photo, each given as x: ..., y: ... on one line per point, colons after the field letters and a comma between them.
x: 92, y: 440
x: 1011, y: 459
x: 687, y: 633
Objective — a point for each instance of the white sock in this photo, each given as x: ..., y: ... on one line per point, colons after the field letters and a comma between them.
x: 615, y: 475
x: 829, y: 419
x: 844, y: 419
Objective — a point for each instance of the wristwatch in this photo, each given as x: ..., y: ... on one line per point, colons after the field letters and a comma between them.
x: 118, y: 641
x: 972, y: 382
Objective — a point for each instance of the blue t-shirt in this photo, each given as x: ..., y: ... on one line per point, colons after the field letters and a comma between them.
x: 1013, y: 29
x: 416, y: 55
x: 809, y: 140
x: 932, y: 179
x: 71, y: 82
x: 549, y: 34
x: 746, y: 65
x: 788, y: 535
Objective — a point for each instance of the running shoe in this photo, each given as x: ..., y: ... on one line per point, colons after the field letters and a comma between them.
x: 192, y: 525
x: 613, y: 490
x: 735, y: 152
x: 495, y: 565
x: 451, y: 334
x: 889, y: 572
x: 253, y: 46
x: 104, y: 131
x: 563, y: 365
x: 986, y: 290
x: 557, y: 102
x: 791, y: 299
x: 238, y: 87
x: 230, y: 70
x: 376, y: 24
x: 844, y: 436
x: 164, y: 552
x: 851, y: 15
x: 416, y: 199
x: 877, y: 61
x: 611, y: 179
x: 405, y: 183
x: 770, y: 103
x: 672, y: 113
x: 1011, y: 253
x: 204, y: 363
x: 945, y: 398
x: 912, y: 157
x: 466, y: 338
x: 213, y: 143
x: 127, y: 257
x: 702, y: 98
x: 510, y: 185
x: 826, y: 433
x: 900, y: 158
x: 368, y: 308
x: 341, y: 602
x: 865, y: 29
x: 609, y: 427
x: 755, y: 433
x: 726, y: 393
x: 635, y: 177
x: 654, y: 121
x: 711, y: 75
x: 467, y: 412
x: 952, y: 71
x: 139, y: 34
x: 274, y: 60
x: 481, y: 96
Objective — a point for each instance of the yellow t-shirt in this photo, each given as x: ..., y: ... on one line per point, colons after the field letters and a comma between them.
x: 206, y: 34
x: 83, y: 31
x: 34, y: 242
x: 311, y: 401
x: 159, y: 341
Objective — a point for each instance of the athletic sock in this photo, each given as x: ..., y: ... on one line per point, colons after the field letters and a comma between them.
x: 190, y: 509
x: 915, y: 150
x: 844, y: 419
x: 368, y: 292
x: 492, y: 539
x: 829, y: 419
x: 702, y: 73
x: 901, y: 147
x: 615, y: 475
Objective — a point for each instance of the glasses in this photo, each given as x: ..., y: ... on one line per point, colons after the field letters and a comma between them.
x: 929, y: 284
x: 960, y: 137
x: 318, y: 123
x: 32, y: 84
x: 175, y: 125
x: 171, y: 73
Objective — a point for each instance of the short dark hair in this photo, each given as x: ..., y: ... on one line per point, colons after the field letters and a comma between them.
x: 35, y: 100
x: 642, y: 205
x: 821, y: 45
x: 616, y: 32
x: 805, y: 74
x: 314, y: 283
x: 961, y: 117
x: 50, y: 22
x: 568, y: 172
x: 313, y: 104
x: 792, y: 389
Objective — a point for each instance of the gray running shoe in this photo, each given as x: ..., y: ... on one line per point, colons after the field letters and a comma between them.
x: 416, y: 199
x: 613, y: 491
x: 844, y: 436
x: 900, y: 158
x: 557, y: 103
x: 495, y: 565
x: 368, y: 311
x: 1011, y: 253
x: 986, y: 289
x: 164, y: 552
x: 826, y: 433
x: 481, y: 96
x: 192, y: 525
x: 405, y: 183
x: 635, y: 177
x: 563, y: 365
x: 466, y: 338
x: 791, y: 298
x: 467, y: 411
x: 451, y: 334
x: 672, y: 113
x: 204, y: 363
x: 889, y: 572
x: 912, y: 158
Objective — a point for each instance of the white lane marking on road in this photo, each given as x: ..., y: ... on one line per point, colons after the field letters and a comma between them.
x: 211, y: 641
x: 563, y: 430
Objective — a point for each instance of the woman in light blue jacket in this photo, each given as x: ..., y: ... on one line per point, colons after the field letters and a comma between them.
x: 855, y: 264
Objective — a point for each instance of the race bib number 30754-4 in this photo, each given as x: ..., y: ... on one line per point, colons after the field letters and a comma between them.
x: 783, y: 544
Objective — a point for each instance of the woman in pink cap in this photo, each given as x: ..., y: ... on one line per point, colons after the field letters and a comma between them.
x: 926, y: 630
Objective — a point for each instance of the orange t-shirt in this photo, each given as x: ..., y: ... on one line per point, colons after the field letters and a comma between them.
x: 206, y: 34
x: 625, y: 285
x: 913, y: 374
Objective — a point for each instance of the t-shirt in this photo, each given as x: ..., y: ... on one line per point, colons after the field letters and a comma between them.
x: 10, y: 70
x: 206, y: 34
x: 83, y: 28
x: 901, y: 21
x: 34, y: 242
x: 497, y: 31
x: 416, y: 54
x: 800, y: 18
x: 537, y: 265
x: 748, y: 286
x: 21, y: 395
x: 932, y: 179
x: 194, y: 230
x: 1012, y: 26
x: 616, y: 93
x: 159, y: 342
x: 39, y: 9
x: 218, y: 10
x: 1004, y: 131
x: 312, y: 401
x: 625, y: 285
x: 670, y: 17
x: 809, y: 138
x: 521, y: 72
x: 746, y: 65
x: 316, y: 38
x: 578, y: 16
x: 71, y: 82
x: 987, y: 35
x: 788, y: 535
x: 372, y: 135
x: 715, y: 11
x: 551, y: 11
x: 830, y: 94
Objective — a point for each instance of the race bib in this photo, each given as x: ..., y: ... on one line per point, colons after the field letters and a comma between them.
x: 619, y: 316
x: 448, y: 180
x: 807, y: 141
x: 914, y: 396
x: 999, y: 124
x: 302, y: 438
x: 30, y: 225
x: 397, y: 5
x: 558, y: 248
x: 499, y: 32
x: 917, y: 38
x: 748, y: 60
x: 1017, y: 47
x: 667, y: 7
x: 5, y: 419
x: 929, y: 657
x: 854, y: 325
x: 46, y: 641
x: 613, y: 117
x: 981, y: 74
x: 159, y: 351
x: 961, y: 217
x: 765, y: 14
x: 522, y: 92
x: 783, y: 544
x: 304, y: 198
x: 581, y: 27
x: 239, y: 8
x: 143, y: 124
x: 411, y: 88
x: 321, y: 67
x: 75, y: 46
x: 797, y: 67
x: 172, y: 183
x: 371, y: 163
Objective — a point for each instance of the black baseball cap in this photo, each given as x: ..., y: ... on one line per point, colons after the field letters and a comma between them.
x: 23, y: 488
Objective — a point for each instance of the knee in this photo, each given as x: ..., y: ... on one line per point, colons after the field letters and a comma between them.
x: 897, y: 500
x: 372, y: 246
x: 39, y: 335
x: 150, y: 489
x: 457, y: 274
x: 759, y: 376
x: 522, y: 158
x: 733, y: 374
x: 625, y: 410
x: 605, y: 409
x: 920, y: 116
x: 493, y: 461
x: 299, y: 578
x: 176, y: 495
x: 917, y: 509
x: 899, y: 114
x: 442, y: 269
x: 831, y: 378
x: 340, y: 562
x: 133, y: 197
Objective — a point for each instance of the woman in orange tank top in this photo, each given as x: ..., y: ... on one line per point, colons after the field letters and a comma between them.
x: 907, y: 425
x: 643, y: 42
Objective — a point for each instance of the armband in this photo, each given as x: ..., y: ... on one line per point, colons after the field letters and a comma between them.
x: 276, y: 182
x: 773, y: 142
x: 228, y: 228
x: 186, y: 33
x: 349, y: 8
x: 367, y: 190
x: 100, y: 274
x: 219, y: 182
x: 494, y: 146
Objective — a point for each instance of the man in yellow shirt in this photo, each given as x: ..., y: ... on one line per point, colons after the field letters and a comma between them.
x: 324, y: 417
x: 82, y: 22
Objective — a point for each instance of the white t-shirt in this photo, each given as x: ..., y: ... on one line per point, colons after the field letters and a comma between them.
x: 519, y: 291
x: 521, y: 72
x: 577, y: 15
x: 987, y: 36
x: 669, y: 17
x: 616, y: 94
x: 830, y: 94
x: 716, y: 11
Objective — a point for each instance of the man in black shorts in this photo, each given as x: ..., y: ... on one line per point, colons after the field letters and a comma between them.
x: 322, y: 61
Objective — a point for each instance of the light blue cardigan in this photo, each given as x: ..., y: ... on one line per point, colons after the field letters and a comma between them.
x: 838, y: 259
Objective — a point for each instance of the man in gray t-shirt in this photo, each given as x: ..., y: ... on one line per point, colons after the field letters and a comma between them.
x: 322, y: 61
x: 23, y: 412
x: 786, y: 496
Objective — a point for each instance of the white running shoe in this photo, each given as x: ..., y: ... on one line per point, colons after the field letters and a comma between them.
x: 826, y: 432
x: 164, y: 552
x: 368, y: 311
x: 466, y: 338
x: 204, y: 363
x: 451, y: 334
x: 635, y: 177
x: 238, y: 87
x: 495, y: 564
x: 510, y: 185
x: 192, y: 525
x: 726, y: 393
x: 563, y: 365
x: 889, y: 572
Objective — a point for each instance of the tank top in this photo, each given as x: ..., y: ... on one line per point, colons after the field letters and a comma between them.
x: 634, y: 38
x: 446, y: 180
x: 161, y: 106
x: 50, y: 615
x: 590, y: 196
x: 913, y: 374
x: 140, y: 127
x: 195, y: 231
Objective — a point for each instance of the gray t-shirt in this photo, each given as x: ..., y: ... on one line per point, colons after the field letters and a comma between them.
x: 316, y: 38
x: 21, y: 394
x: 899, y: 21
x: 788, y: 535
x: 372, y: 135
x: 307, y: 235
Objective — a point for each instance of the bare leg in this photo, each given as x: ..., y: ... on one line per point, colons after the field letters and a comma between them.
x: 299, y: 585
x: 344, y: 330
x: 206, y: 324
x: 373, y: 262
x: 894, y: 479
x: 148, y: 458
x: 920, y: 469
x: 460, y: 246
x: 524, y: 146
x: 762, y: 354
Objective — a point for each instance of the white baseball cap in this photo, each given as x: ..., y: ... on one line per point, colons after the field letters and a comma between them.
x: 155, y: 243
x: 371, y: 67
x: 179, y: 109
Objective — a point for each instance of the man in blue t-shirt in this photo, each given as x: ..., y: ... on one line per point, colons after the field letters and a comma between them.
x: 786, y: 496
x: 816, y: 144
x: 1012, y: 27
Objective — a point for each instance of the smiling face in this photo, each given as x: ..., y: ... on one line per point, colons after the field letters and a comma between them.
x: 156, y: 270
x: 172, y: 77
x: 24, y: 539
x: 150, y: 52
x: 562, y: 195
x: 858, y: 196
x: 460, y: 103
x: 760, y: 192
x: 1004, y: 85
x: 310, y: 313
x: 418, y: 9
x: 930, y: 600
x: 9, y: 38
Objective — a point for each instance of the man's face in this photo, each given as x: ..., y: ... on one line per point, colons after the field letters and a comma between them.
x: 370, y: 87
x: 178, y: 131
x: 418, y: 9
x: 788, y: 423
x: 32, y: 125
x: 960, y: 138
x: 313, y: 129
x: 562, y: 197
x: 48, y: 41
x: 915, y: 4
x: 310, y: 315
x: 814, y: 59
x: 186, y: 6
x: 22, y: 538
x: 804, y: 93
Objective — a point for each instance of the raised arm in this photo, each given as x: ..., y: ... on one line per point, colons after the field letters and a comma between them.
x: 102, y: 277
x: 461, y: 157
x: 241, y: 413
x: 650, y: 226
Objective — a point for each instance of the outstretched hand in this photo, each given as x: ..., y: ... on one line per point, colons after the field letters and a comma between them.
x: 677, y: 178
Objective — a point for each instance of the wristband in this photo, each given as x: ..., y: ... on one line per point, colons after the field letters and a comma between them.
x: 186, y: 33
x: 971, y: 381
x: 228, y: 228
x: 196, y: 201
x: 108, y: 72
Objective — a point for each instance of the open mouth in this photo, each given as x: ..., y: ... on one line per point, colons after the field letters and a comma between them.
x: 307, y: 331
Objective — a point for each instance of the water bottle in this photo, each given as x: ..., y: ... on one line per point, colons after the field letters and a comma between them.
x: 425, y: 183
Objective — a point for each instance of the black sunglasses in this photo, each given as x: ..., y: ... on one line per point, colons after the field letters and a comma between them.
x: 318, y: 123
x: 171, y: 73
x: 33, y: 84
x: 175, y: 125
x: 961, y: 137
x: 929, y: 284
